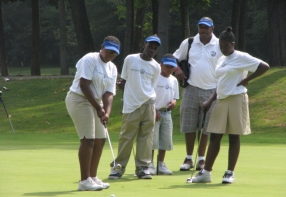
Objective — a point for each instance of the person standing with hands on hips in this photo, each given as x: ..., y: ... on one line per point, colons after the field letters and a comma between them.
x: 203, y: 55
x: 230, y: 114
x: 89, y: 103
x: 167, y: 92
x: 140, y: 74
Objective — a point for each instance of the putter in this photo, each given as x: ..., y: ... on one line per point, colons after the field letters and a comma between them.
x: 189, y: 180
x: 6, y: 112
x: 109, y: 143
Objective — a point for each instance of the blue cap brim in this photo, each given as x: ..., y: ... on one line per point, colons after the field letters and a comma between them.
x: 206, y: 22
x: 113, y: 46
x: 169, y: 61
x: 153, y: 39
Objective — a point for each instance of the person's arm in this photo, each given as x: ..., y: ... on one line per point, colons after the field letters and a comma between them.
x: 261, y: 69
x: 179, y: 74
x: 107, y: 99
x: 86, y: 90
x: 207, y: 104
x: 172, y: 104
x: 121, y: 84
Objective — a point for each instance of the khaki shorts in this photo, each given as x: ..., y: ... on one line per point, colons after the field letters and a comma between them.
x: 84, y: 117
x: 230, y: 116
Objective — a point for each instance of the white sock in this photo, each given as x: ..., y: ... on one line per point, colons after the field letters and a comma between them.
x: 206, y: 172
x: 201, y: 158
x: 189, y: 156
x: 229, y: 172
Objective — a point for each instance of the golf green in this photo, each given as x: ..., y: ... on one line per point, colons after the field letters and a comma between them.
x: 47, y: 165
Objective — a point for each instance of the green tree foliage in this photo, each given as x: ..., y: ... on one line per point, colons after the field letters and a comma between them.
x: 108, y: 18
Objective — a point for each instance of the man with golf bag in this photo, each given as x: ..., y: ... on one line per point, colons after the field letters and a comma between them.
x: 203, y: 55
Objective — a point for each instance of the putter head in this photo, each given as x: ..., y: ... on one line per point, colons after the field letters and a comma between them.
x: 189, y: 180
x: 6, y: 80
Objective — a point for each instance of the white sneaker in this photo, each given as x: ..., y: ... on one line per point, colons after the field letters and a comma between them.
x: 163, y: 169
x: 187, y: 165
x: 228, y: 177
x: 116, y: 172
x: 89, y: 185
x: 152, y: 169
x: 99, y: 182
x: 201, y: 178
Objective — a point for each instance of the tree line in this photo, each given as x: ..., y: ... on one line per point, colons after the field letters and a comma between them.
x: 56, y: 33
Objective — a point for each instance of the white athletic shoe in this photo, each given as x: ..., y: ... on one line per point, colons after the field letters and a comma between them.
x: 228, y: 177
x: 89, y: 185
x: 201, y: 178
x: 152, y: 169
x: 99, y: 182
x: 187, y: 165
x: 163, y: 169
x: 116, y: 172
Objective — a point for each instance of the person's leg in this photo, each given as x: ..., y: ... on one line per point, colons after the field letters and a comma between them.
x: 203, y: 144
x: 156, y: 135
x: 190, y: 142
x: 145, y: 135
x: 189, y: 117
x: 129, y: 128
x: 233, y: 151
x: 96, y: 154
x: 203, y: 96
x: 162, y: 154
x: 85, y: 155
x: 213, y: 150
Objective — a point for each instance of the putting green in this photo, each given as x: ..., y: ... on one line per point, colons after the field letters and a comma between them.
x: 47, y: 165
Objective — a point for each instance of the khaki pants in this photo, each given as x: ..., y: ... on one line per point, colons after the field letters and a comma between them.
x: 141, y: 123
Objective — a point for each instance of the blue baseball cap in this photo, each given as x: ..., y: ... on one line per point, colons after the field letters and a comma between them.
x: 206, y: 21
x: 110, y: 45
x: 169, y: 61
x: 153, y: 39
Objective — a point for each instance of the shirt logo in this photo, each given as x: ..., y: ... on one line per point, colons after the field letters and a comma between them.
x: 167, y: 87
x: 223, y: 65
x: 142, y: 71
x: 213, y: 53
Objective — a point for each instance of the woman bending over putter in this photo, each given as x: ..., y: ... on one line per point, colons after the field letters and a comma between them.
x: 89, y: 104
x: 230, y: 114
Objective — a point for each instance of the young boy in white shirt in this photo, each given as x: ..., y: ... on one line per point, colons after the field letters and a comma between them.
x: 167, y: 92
x: 140, y: 74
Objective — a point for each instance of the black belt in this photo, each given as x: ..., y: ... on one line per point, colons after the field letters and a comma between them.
x: 164, y: 109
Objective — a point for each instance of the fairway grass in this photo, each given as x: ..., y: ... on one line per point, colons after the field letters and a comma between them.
x: 48, y: 166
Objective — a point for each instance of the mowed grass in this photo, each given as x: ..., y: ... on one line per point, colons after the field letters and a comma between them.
x: 41, y: 158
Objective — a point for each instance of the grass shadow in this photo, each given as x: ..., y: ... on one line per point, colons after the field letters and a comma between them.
x: 197, y: 186
x: 56, y: 193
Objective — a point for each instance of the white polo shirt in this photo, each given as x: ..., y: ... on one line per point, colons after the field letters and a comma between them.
x: 141, y: 79
x: 102, y: 75
x: 166, y: 90
x: 203, y: 60
x: 233, y: 69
